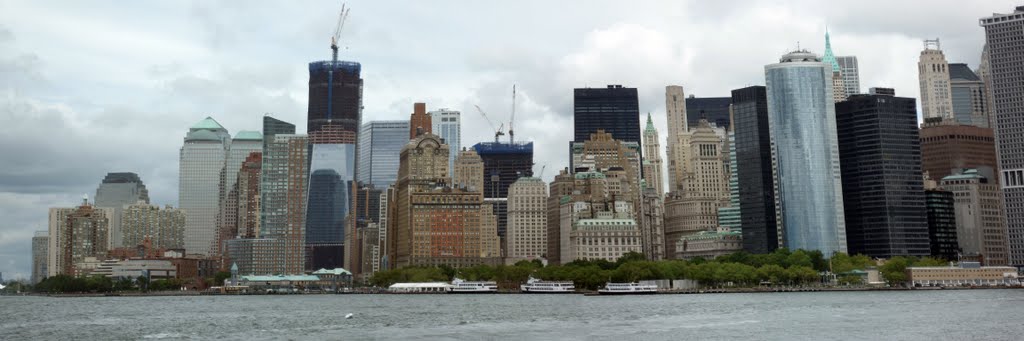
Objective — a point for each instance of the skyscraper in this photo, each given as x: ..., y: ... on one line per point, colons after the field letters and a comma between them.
x: 202, y: 160
x: 115, y: 191
x: 941, y: 224
x: 504, y: 163
x: 380, y: 143
x: 58, y: 217
x: 40, y: 245
x: 704, y: 185
x: 675, y: 112
x: 838, y: 82
x: 652, y: 158
x: 1004, y: 38
x: 850, y: 70
x: 801, y: 115
x: 967, y: 94
x: 283, y: 195
x: 754, y: 170
x: 469, y: 171
x: 527, y: 219
x: 242, y: 145
x: 447, y: 124
x: 84, y: 233
x: 933, y: 73
x: 883, y: 193
x: 713, y: 109
x: 613, y: 109
x: 334, y: 113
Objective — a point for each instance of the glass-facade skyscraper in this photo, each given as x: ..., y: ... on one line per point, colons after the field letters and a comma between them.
x: 614, y: 109
x: 801, y: 114
x: 447, y: 124
x: 504, y: 163
x: 115, y: 191
x: 754, y: 170
x: 883, y: 191
x: 714, y: 109
x: 380, y: 145
x: 200, y: 165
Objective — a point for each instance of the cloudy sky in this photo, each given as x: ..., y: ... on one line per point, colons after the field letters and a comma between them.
x: 92, y: 87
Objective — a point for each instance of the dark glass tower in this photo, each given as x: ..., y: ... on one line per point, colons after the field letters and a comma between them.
x: 941, y: 224
x: 614, y: 109
x: 883, y: 190
x: 504, y: 163
x: 335, y: 97
x: 754, y: 170
x: 714, y: 109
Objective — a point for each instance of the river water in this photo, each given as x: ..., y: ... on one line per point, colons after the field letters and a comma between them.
x: 905, y: 315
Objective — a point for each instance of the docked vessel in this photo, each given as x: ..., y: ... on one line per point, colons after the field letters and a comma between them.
x: 628, y: 289
x: 536, y: 286
x: 460, y: 286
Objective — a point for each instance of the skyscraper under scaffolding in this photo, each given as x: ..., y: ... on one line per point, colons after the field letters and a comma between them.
x: 504, y: 163
x: 335, y: 111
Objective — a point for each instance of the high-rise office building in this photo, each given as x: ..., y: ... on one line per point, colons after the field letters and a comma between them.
x: 1004, y: 37
x: 850, y: 70
x: 420, y: 121
x: 933, y: 73
x: 984, y: 72
x: 40, y: 245
x: 883, y: 194
x: 526, y: 236
x: 365, y: 214
x: 675, y: 112
x: 614, y: 158
x: 380, y: 143
x: 713, y: 109
x: 504, y: 163
x: 801, y: 115
x: 838, y: 82
x: 948, y: 146
x: 283, y: 199
x: 164, y: 228
x: 968, y: 95
x: 652, y: 158
x: 248, y: 189
x: 980, y: 220
x: 651, y: 219
x: 116, y: 191
x: 202, y: 161
x: 274, y: 176
x: 754, y: 170
x: 447, y: 124
x: 729, y: 216
x: 54, y: 250
x: 614, y: 109
x: 941, y: 212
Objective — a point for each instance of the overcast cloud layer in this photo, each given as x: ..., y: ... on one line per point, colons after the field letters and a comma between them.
x: 92, y: 87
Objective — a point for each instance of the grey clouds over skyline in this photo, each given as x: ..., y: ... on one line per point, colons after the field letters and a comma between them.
x: 93, y: 87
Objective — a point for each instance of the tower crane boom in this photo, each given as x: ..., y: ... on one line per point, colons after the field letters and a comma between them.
x: 497, y: 131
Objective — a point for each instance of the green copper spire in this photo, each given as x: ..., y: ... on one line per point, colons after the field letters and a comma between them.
x: 829, y: 58
x: 650, y: 123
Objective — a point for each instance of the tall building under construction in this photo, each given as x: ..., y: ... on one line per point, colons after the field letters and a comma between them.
x: 504, y: 163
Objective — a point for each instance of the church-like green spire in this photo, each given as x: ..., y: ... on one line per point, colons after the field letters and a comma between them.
x: 829, y: 58
x: 650, y: 123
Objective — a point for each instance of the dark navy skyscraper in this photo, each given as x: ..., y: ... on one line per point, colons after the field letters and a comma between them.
x: 614, y: 109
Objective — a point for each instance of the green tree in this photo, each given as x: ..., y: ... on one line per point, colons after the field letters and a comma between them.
x: 894, y: 270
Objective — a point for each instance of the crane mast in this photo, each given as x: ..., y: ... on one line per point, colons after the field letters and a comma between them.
x: 511, y: 133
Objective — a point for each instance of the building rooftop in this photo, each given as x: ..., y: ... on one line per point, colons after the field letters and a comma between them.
x: 279, y: 278
x: 962, y: 71
x: 249, y: 135
x: 335, y: 271
x: 207, y: 123
x: 968, y: 174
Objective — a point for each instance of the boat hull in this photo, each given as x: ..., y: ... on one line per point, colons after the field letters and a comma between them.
x: 546, y: 292
x: 623, y: 293
x: 472, y: 292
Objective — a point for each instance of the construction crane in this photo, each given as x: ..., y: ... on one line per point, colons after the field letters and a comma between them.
x: 511, y: 133
x: 542, y: 168
x: 334, y: 57
x: 497, y: 131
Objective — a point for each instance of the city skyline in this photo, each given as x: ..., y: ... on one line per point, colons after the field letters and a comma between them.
x: 148, y: 105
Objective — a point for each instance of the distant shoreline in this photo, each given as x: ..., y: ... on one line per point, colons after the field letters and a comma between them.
x: 584, y: 293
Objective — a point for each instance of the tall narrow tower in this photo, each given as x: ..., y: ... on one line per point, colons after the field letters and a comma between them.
x: 838, y: 82
x: 652, y: 158
x: 933, y: 72
x: 675, y: 111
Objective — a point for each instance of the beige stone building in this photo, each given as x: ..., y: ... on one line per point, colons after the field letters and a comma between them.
x: 526, y: 236
x: 608, y: 236
x: 980, y: 217
x: 704, y: 185
x: 933, y: 74
x: 709, y: 244
x: 652, y: 164
x: 469, y: 171
x: 675, y: 112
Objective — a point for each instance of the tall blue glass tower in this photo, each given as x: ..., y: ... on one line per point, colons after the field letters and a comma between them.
x: 801, y: 116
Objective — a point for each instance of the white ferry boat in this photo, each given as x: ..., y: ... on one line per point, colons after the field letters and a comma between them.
x: 628, y: 289
x: 536, y: 286
x: 460, y: 286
